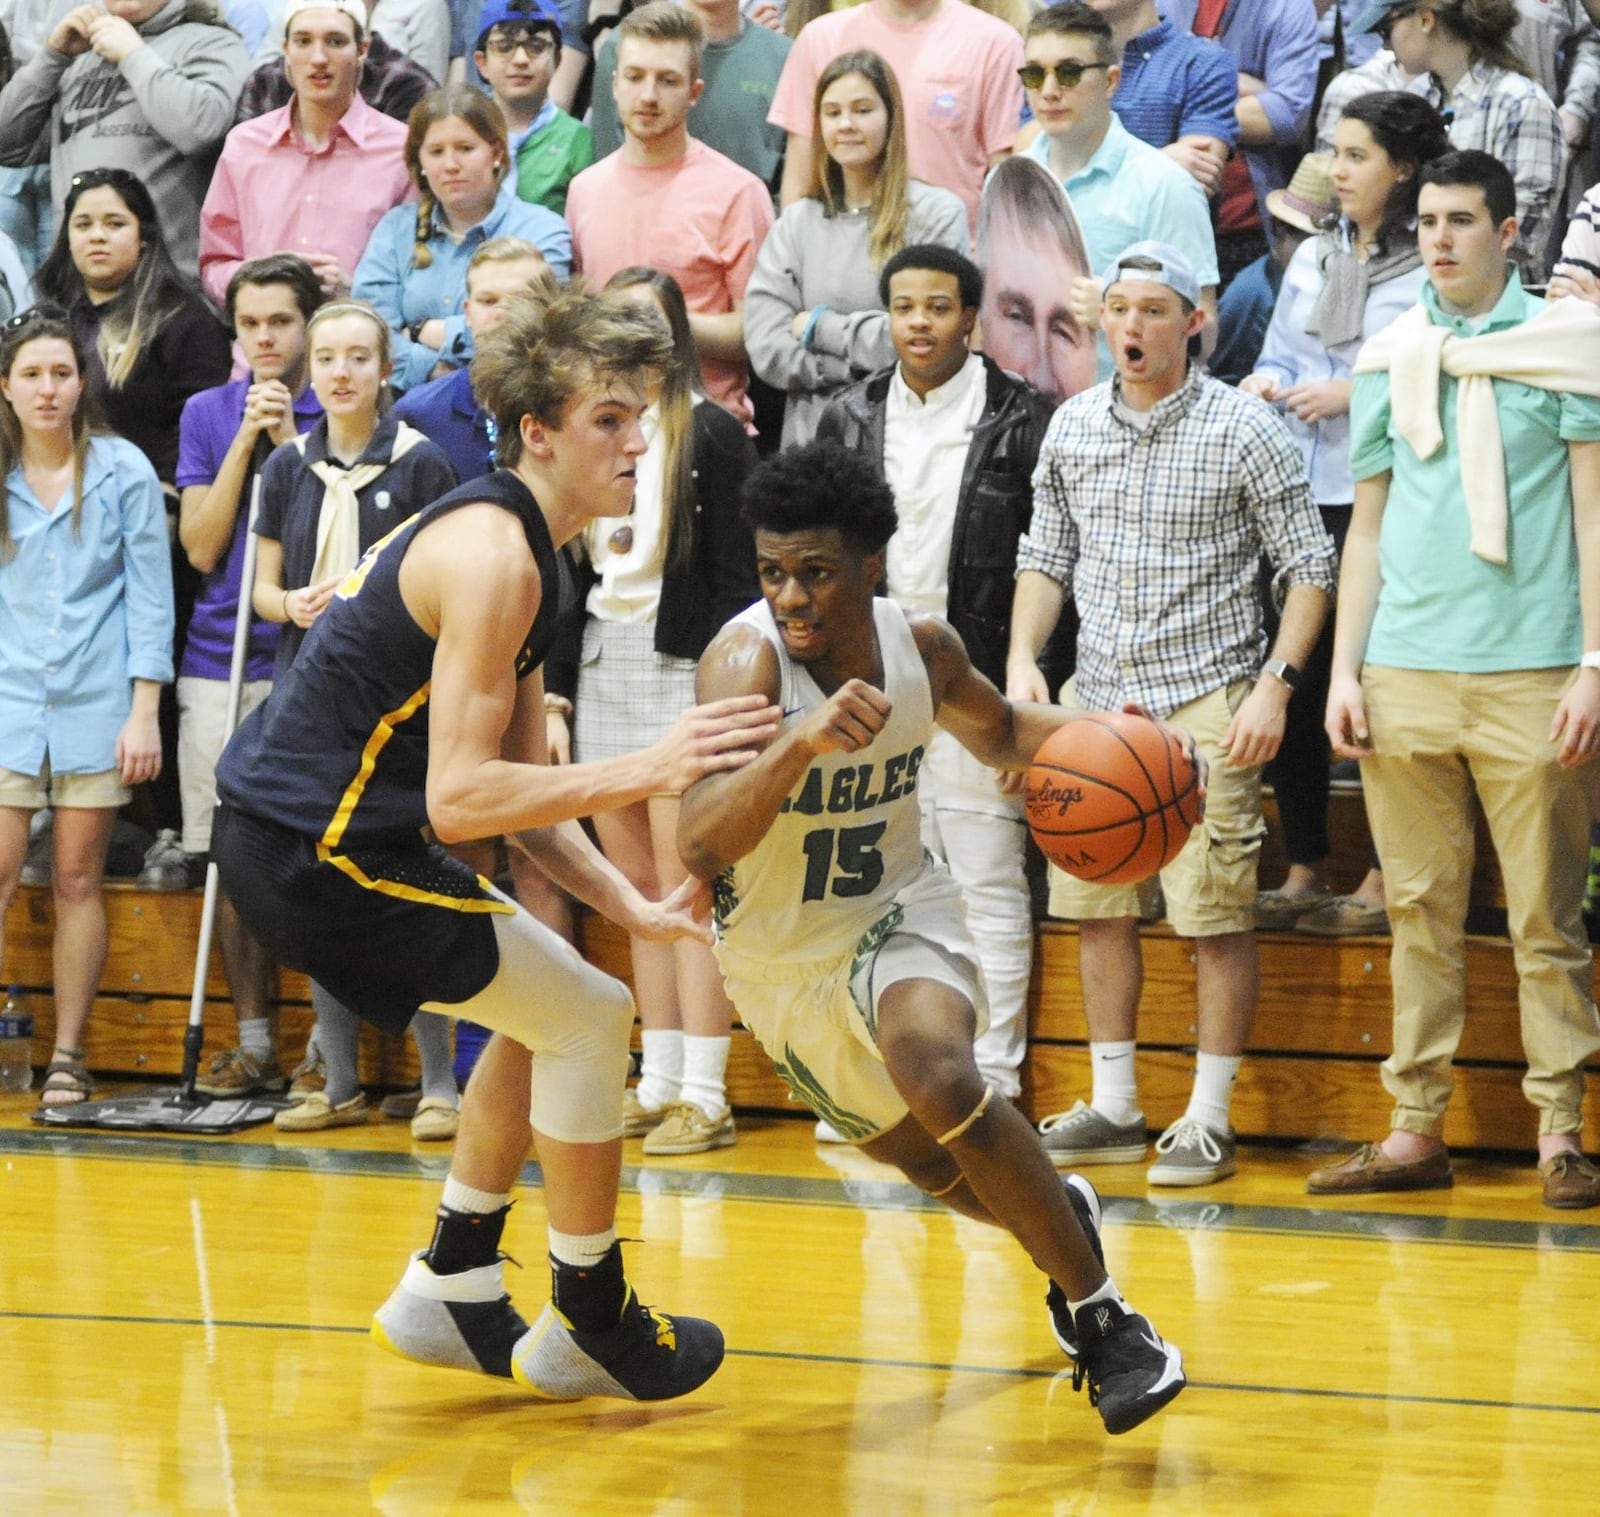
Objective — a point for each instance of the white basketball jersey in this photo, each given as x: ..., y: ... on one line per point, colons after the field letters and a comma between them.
x: 849, y: 836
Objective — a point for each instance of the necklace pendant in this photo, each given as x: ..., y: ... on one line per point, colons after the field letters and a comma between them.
x: 621, y: 540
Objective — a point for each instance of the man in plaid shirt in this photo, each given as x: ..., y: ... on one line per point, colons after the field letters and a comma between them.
x: 1154, y: 499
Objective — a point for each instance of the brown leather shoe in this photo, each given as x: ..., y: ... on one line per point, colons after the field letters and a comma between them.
x: 1570, y: 1181
x: 1369, y: 1168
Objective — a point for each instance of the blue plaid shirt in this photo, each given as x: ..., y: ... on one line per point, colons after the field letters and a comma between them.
x: 1158, y: 532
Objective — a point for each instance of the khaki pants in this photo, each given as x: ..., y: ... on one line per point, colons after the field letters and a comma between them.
x: 1438, y: 736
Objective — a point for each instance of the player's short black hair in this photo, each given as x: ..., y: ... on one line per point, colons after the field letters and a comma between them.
x: 940, y: 260
x: 821, y: 485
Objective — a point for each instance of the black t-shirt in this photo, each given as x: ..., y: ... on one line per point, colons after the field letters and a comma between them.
x: 189, y: 353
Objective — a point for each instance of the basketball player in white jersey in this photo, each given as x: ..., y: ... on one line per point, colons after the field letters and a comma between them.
x: 844, y: 946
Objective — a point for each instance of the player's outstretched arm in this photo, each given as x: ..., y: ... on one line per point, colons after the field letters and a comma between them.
x: 1003, y: 733
x: 470, y: 582
x: 724, y: 816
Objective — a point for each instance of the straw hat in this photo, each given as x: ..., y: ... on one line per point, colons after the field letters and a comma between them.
x: 1309, y: 201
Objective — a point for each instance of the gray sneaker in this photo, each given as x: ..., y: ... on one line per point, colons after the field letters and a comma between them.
x: 166, y: 865
x: 1190, y: 1153
x: 464, y: 1321
x: 1083, y: 1136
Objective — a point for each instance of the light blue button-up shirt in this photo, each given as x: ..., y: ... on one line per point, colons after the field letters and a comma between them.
x: 404, y: 295
x: 83, y: 612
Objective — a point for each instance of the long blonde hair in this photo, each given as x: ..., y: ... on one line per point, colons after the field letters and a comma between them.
x: 679, y: 382
x: 891, y: 190
x: 481, y: 114
x: 32, y: 325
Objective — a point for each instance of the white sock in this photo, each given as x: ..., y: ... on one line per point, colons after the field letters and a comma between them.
x: 581, y: 1249
x: 705, y: 1071
x: 1213, y: 1090
x: 255, y: 1037
x: 464, y: 1198
x: 1116, y: 1089
x: 662, y: 1074
x: 1107, y: 1292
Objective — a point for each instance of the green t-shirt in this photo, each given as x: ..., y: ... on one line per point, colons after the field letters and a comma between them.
x: 1442, y: 607
x: 548, y: 159
x: 731, y: 115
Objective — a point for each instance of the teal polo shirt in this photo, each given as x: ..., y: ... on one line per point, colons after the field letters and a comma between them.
x: 1441, y: 606
x: 1130, y: 192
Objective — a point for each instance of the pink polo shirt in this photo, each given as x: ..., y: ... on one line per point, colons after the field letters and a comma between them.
x: 273, y: 194
x: 701, y: 219
x: 957, y: 73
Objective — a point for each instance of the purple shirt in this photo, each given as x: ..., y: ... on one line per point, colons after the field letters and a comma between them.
x: 210, y: 421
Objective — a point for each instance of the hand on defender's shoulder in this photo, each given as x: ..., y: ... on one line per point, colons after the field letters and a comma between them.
x: 717, y: 736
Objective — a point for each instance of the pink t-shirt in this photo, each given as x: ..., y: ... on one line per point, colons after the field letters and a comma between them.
x: 957, y: 73
x: 701, y: 219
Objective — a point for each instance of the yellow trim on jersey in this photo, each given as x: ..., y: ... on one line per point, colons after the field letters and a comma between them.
x: 346, y: 865
x: 369, y: 761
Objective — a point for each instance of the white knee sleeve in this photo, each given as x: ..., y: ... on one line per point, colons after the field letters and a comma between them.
x: 575, y: 1021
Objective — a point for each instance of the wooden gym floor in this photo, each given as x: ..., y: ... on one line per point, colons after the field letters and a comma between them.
x: 183, y: 1330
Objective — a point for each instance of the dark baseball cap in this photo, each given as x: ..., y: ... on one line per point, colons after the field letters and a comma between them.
x: 518, y: 13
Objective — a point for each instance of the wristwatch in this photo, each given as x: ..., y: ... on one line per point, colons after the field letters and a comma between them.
x: 1282, y: 669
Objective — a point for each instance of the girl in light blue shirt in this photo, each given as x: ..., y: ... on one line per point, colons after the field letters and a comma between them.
x: 85, y: 646
x: 414, y: 271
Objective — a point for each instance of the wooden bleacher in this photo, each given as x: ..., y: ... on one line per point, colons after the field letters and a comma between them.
x: 1322, y: 1030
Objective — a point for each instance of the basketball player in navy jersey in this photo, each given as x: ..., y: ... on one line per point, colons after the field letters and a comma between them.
x: 844, y: 946
x: 417, y: 700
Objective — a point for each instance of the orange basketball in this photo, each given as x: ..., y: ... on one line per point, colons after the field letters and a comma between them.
x: 1112, y: 798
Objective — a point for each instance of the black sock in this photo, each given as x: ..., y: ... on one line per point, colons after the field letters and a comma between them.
x: 590, y: 1296
x: 465, y: 1240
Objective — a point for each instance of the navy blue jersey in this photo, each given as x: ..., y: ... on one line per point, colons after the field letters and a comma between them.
x: 339, y: 751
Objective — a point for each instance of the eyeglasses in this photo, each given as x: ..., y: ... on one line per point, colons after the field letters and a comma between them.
x: 536, y: 44
x: 1069, y: 73
x: 38, y: 313
x: 1387, y: 25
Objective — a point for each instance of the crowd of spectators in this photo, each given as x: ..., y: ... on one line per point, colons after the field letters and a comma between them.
x: 246, y: 244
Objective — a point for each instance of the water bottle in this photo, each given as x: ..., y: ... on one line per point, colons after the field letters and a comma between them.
x: 16, y: 1044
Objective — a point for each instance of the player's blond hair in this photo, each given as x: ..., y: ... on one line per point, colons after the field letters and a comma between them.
x: 549, y: 348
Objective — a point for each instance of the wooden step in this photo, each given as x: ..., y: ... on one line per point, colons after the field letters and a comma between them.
x: 1324, y: 1023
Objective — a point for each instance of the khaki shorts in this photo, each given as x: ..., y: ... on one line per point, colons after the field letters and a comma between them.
x: 88, y: 792
x: 818, y: 1020
x: 1210, y: 887
x: 202, y: 735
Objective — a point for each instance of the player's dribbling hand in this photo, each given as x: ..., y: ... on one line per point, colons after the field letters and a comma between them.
x: 685, y: 914
x: 708, y: 739
x: 850, y: 718
x: 1185, y: 739
x: 1347, y: 719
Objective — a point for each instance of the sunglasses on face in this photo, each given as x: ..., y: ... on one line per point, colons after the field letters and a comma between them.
x: 536, y: 44
x: 1068, y: 74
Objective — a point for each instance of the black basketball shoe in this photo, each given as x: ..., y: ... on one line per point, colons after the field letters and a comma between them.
x: 1132, y: 1371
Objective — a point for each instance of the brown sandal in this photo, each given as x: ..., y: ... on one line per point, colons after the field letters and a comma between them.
x: 66, y: 1079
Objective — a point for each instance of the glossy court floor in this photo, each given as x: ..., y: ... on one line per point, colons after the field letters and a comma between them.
x: 183, y: 1329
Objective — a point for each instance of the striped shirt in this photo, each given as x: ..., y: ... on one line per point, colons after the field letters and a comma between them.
x: 1158, y: 531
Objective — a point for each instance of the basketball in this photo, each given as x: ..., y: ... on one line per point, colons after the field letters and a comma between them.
x: 1111, y: 798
